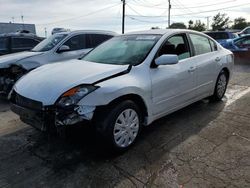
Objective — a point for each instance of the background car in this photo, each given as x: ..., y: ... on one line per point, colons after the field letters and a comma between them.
x: 241, y: 49
x: 127, y: 82
x: 17, y: 42
x: 58, y: 47
x: 245, y: 31
x: 221, y: 36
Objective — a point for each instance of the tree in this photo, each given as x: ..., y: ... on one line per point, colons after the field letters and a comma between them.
x: 220, y: 21
x: 240, y: 23
x: 198, y: 26
x: 178, y: 25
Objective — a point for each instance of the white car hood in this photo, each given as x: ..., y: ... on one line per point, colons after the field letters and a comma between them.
x: 10, y: 59
x: 47, y: 83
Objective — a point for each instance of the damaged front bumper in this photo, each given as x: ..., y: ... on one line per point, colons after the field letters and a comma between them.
x: 45, y: 118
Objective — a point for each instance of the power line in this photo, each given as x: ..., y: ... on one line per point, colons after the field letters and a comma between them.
x: 193, y: 13
x: 208, y: 5
x: 159, y: 6
x: 230, y: 7
x: 81, y: 16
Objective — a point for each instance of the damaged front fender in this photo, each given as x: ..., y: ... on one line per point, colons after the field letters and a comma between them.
x: 73, y: 115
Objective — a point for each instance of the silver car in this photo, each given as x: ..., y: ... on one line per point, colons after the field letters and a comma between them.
x: 58, y: 47
x: 125, y: 83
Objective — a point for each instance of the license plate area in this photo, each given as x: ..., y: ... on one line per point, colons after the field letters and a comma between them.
x: 31, y: 117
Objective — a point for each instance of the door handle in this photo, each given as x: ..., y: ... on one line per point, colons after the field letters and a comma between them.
x: 217, y: 59
x: 191, y: 69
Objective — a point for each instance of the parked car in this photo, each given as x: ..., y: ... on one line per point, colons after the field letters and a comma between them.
x: 221, y: 36
x: 17, y: 42
x: 58, y: 47
x: 241, y: 49
x: 245, y: 31
x: 125, y: 83
x: 59, y: 30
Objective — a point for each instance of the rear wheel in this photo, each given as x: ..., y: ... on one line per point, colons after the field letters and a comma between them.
x: 220, y: 87
x: 121, y: 125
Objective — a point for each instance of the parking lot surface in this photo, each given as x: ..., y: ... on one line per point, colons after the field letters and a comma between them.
x: 203, y: 145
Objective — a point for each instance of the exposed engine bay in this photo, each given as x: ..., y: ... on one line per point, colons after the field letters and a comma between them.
x: 8, y: 77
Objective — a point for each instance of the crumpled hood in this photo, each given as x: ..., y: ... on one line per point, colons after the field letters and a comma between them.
x: 47, y: 83
x: 7, y: 60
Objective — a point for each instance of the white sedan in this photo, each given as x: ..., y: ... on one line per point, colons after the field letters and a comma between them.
x: 126, y: 83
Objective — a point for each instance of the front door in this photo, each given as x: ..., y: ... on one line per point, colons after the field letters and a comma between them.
x: 173, y: 86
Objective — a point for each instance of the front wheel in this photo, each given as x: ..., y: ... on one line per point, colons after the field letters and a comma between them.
x: 121, y: 125
x: 220, y: 87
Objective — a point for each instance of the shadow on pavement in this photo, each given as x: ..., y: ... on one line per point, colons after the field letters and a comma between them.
x: 32, y: 158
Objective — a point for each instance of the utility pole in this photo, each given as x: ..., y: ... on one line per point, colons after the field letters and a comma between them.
x: 169, y: 8
x: 123, y: 15
x: 208, y: 22
x: 45, y: 32
x: 22, y: 21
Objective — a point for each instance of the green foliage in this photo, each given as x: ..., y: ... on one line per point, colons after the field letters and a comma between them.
x: 178, y: 25
x: 240, y: 23
x: 220, y: 21
x: 198, y: 25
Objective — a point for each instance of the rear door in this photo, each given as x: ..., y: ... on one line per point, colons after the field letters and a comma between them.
x: 173, y: 86
x: 206, y: 58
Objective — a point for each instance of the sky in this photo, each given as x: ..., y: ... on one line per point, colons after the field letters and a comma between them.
x: 106, y: 14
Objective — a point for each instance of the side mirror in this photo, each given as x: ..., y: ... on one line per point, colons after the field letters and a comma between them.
x: 63, y: 48
x: 169, y: 59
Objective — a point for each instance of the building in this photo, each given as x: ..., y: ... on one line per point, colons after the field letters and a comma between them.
x: 14, y: 27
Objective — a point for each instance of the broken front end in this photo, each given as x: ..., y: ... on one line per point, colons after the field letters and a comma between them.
x: 46, y: 118
x: 8, y: 77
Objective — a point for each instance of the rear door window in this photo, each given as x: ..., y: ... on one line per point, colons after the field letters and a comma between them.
x: 201, y: 44
x: 97, y: 39
x: 77, y: 42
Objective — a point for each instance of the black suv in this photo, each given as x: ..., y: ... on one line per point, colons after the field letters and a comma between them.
x: 17, y: 42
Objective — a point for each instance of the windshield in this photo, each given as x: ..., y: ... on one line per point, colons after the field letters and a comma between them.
x: 49, y: 43
x: 123, y: 50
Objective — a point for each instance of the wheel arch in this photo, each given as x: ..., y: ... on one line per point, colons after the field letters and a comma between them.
x: 226, y: 70
x: 137, y: 99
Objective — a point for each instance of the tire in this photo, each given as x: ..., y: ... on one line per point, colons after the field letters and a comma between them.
x: 220, y: 87
x: 120, y: 125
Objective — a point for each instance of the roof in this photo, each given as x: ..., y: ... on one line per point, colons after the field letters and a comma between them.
x: 88, y: 31
x: 161, y: 31
x: 19, y: 34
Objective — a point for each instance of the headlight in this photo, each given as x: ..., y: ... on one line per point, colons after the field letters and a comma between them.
x: 74, y: 95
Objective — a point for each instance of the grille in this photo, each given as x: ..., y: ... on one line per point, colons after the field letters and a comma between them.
x: 25, y: 102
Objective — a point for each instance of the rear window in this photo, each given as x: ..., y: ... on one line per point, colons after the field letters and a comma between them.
x: 218, y: 35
